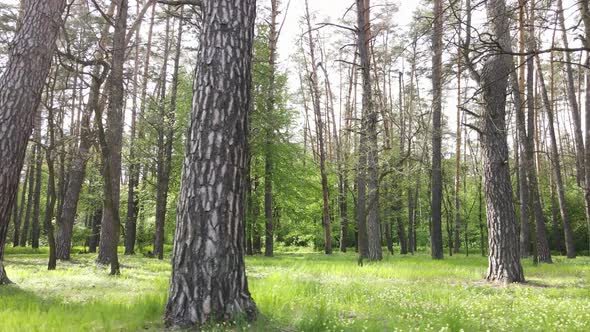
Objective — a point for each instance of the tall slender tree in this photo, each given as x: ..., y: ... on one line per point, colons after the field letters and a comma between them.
x: 111, y: 145
x: 436, y: 241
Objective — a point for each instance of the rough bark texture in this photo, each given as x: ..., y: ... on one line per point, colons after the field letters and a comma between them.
x: 21, y: 85
x: 208, y: 269
x: 504, y: 261
x: 436, y: 241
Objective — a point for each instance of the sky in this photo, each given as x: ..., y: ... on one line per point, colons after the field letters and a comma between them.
x: 327, y: 11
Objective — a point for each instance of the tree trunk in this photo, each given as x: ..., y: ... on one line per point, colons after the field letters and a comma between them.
x: 35, y: 231
x: 585, y: 12
x: 571, y: 95
x: 77, y: 170
x: 51, y: 196
x: 21, y: 85
x: 556, y: 165
x: 134, y: 167
x: 94, y: 237
x: 504, y: 261
x: 210, y: 213
x: 270, y: 105
x: 315, y: 90
x: 111, y: 145
x: 436, y: 231
x: 31, y: 179
x: 458, y: 141
x: 369, y: 119
x: 163, y: 169
x: 526, y: 137
x: 17, y: 226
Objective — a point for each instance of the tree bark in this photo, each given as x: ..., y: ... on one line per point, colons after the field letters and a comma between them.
x: 208, y: 269
x: 504, y: 261
x: 21, y: 85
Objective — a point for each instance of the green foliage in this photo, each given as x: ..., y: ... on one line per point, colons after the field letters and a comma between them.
x: 295, y: 176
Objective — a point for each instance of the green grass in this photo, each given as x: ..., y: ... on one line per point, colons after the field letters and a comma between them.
x: 302, y: 291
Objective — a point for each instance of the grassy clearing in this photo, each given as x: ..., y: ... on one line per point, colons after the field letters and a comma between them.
x: 305, y: 292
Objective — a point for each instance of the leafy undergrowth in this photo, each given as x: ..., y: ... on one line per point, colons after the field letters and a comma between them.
x: 304, y: 292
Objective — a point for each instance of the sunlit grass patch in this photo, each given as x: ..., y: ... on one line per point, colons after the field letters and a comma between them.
x: 304, y: 291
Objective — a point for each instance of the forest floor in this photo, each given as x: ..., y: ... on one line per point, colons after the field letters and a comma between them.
x: 304, y: 291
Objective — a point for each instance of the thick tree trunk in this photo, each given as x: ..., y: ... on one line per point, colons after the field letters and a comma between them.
x: 436, y: 231
x: 504, y: 261
x: 208, y: 269
x: 21, y: 85
x: 111, y: 146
